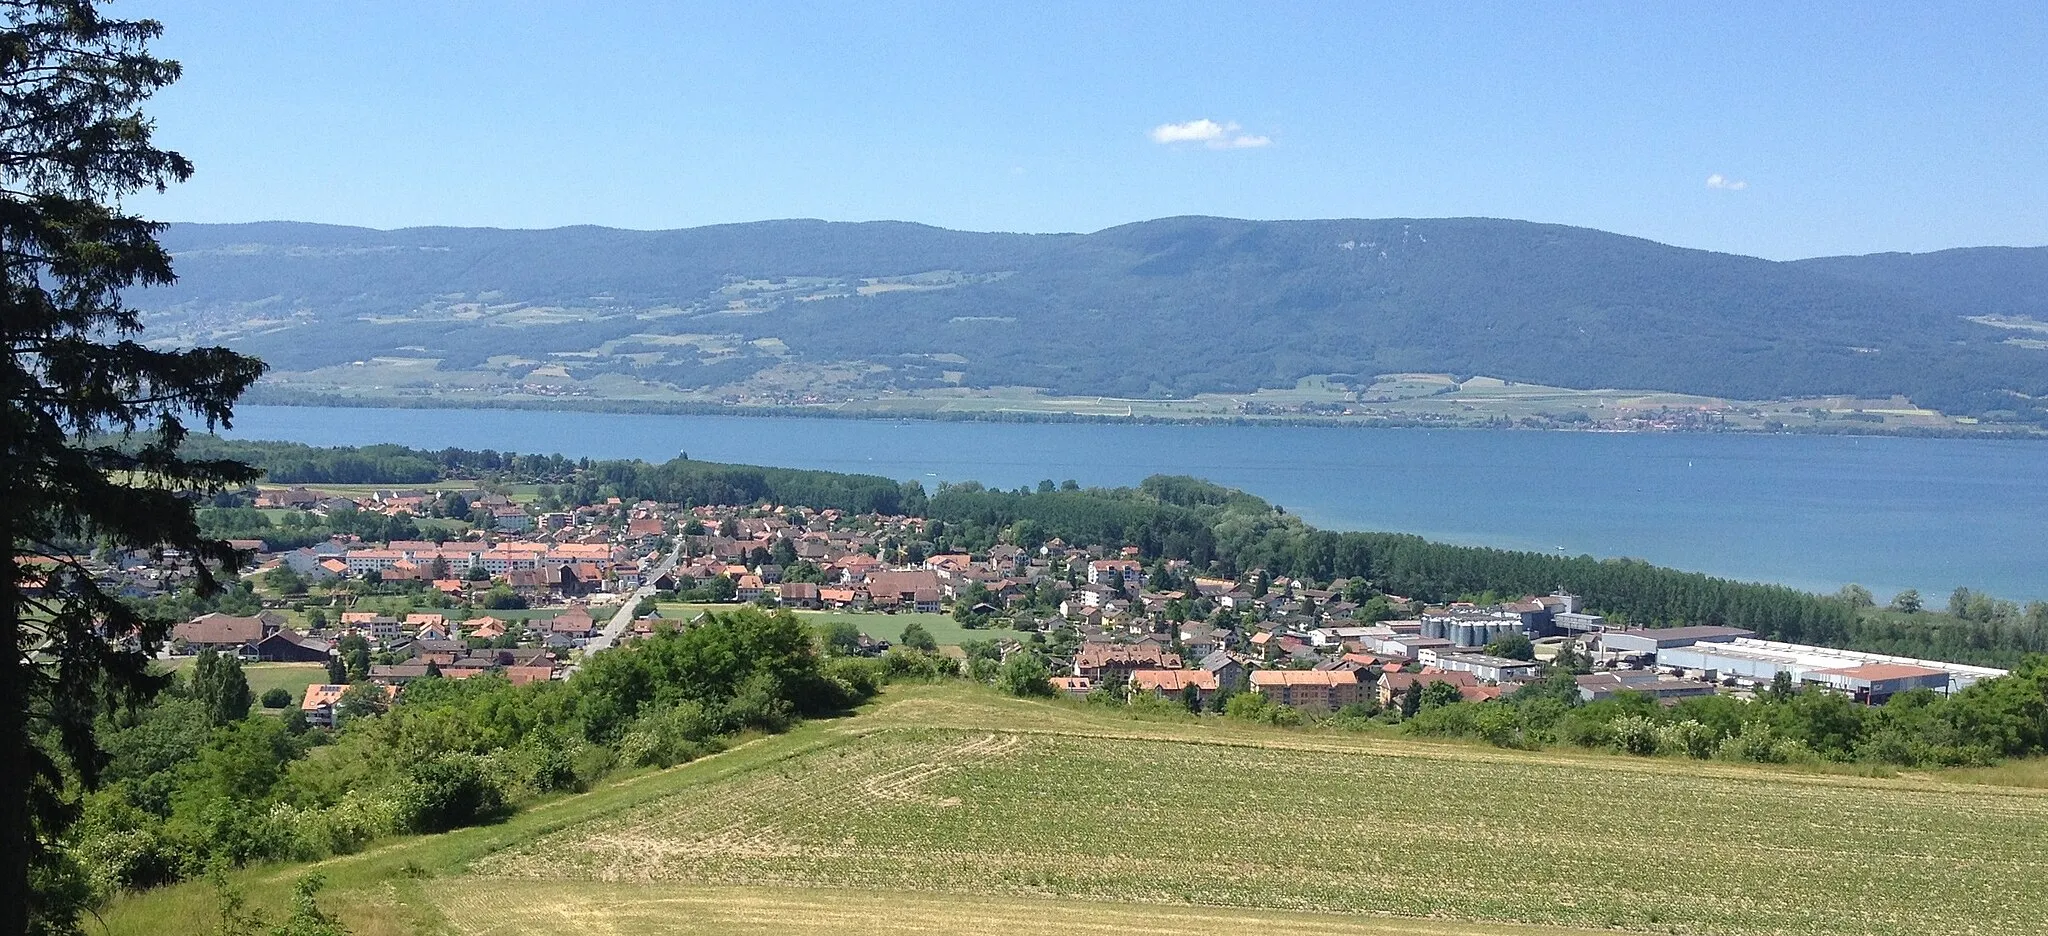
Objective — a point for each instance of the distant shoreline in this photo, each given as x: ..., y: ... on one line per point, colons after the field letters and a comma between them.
x: 267, y: 396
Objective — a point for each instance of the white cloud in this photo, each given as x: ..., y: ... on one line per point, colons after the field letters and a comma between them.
x: 1719, y: 181
x: 1209, y: 133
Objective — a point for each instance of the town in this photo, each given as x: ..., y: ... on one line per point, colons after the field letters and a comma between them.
x: 529, y: 593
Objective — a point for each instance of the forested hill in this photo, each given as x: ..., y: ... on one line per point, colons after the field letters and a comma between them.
x: 1171, y: 307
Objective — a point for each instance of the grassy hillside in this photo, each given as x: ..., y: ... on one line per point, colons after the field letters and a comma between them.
x: 806, y: 311
x: 949, y: 808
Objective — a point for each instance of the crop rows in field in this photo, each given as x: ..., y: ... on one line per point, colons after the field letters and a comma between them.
x: 1175, y: 821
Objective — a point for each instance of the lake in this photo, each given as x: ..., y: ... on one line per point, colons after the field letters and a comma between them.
x: 1809, y: 511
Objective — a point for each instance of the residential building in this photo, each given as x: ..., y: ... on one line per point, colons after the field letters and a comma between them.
x: 1320, y: 690
x: 1172, y: 683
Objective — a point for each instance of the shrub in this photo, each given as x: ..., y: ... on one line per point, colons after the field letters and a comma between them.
x: 449, y: 792
x: 671, y: 736
x: 1635, y: 734
x: 1025, y: 675
x: 276, y: 697
x: 1757, y: 743
x: 1690, y: 738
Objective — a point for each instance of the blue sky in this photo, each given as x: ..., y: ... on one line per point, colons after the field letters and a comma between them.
x: 1825, y: 129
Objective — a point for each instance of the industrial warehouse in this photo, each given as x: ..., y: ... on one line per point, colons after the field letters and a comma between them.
x: 1733, y: 656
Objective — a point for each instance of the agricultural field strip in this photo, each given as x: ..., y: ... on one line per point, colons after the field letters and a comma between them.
x: 949, y: 810
x: 1053, y: 721
x: 500, y: 908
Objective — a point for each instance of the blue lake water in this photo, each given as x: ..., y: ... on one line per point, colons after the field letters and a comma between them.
x: 1810, y: 511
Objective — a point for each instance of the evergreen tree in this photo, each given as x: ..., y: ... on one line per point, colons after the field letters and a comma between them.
x: 75, y: 142
x: 337, y: 674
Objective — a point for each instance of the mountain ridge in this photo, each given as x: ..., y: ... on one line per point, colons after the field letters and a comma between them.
x: 1163, y: 308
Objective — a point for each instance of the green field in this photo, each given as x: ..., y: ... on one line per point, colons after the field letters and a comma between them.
x: 889, y: 627
x: 948, y: 808
x: 293, y: 677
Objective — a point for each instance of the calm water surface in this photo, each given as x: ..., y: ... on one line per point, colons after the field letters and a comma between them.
x: 1809, y: 511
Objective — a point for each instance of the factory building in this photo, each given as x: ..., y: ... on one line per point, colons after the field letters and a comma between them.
x: 1642, y: 640
x: 1488, y: 667
x: 1876, y: 676
x: 1873, y: 683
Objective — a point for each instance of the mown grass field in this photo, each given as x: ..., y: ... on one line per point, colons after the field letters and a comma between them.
x: 293, y: 677
x: 889, y: 627
x: 947, y: 808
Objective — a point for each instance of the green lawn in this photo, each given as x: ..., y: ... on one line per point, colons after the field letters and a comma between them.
x: 889, y: 627
x: 292, y: 677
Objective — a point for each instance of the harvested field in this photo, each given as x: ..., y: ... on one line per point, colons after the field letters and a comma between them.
x: 505, y: 908
x: 1179, y: 814
x: 951, y: 809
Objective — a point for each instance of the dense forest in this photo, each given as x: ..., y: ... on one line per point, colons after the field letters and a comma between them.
x: 1171, y: 307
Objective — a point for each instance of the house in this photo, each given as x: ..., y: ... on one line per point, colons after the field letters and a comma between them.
x: 381, y: 627
x: 226, y: 632
x: 521, y: 675
x: 1111, y: 571
x: 909, y: 590
x: 322, y: 699
x: 397, y: 674
x: 1096, y: 660
x: 1392, y: 685
x: 529, y: 581
x: 1173, y: 683
x: 575, y: 623
x: 1228, y: 670
x: 799, y: 595
x: 510, y: 520
x: 289, y: 646
x: 1076, y: 686
x: 1322, y: 690
x: 749, y: 587
x: 319, y: 703
x: 485, y: 628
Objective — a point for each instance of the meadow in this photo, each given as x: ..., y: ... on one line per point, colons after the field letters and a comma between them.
x: 263, y: 677
x: 950, y: 808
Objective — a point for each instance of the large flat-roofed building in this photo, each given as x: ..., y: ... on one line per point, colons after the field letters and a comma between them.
x: 1876, y: 682
x: 1753, y: 661
x: 1488, y: 667
x: 1597, y: 686
x: 1653, y: 639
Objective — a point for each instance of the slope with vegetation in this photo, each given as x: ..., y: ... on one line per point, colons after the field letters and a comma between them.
x: 1166, y: 308
x: 979, y: 814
